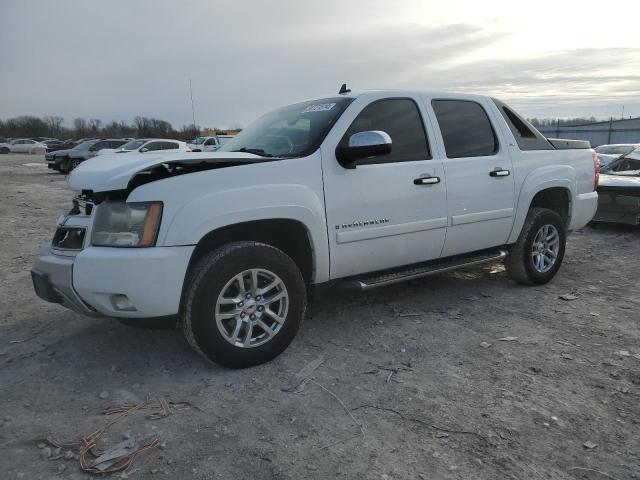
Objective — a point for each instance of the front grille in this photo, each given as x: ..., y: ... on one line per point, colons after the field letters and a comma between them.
x: 68, y: 238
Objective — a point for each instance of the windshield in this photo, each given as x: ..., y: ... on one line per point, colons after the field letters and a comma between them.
x: 84, y: 145
x: 133, y: 145
x: 614, y: 149
x: 292, y: 131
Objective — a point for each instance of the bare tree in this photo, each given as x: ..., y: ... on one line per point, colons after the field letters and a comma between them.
x: 80, y: 125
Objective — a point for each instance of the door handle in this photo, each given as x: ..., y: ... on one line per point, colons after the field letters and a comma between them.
x: 427, y: 180
x: 499, y: 172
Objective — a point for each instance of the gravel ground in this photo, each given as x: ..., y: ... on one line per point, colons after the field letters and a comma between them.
x: 459, y: 376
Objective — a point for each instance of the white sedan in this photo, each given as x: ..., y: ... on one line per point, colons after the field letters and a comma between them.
x: 158, y: 145
x: 26, y: 145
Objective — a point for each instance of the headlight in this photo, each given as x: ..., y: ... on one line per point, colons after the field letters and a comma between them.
x: 121, y: 224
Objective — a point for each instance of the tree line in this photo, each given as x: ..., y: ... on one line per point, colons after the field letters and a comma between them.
x: 552, y: 122
x: 26, y: 126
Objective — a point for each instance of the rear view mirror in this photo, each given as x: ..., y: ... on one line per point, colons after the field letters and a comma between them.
x: 363, y: 145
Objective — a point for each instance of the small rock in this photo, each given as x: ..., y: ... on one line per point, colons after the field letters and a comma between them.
x: 589, y: 445
x: 485, y: 344
x: 104, y: 395
x: 442, y: 434
x: 154, y: 471
x: 594, y: 314
x: 567, y: 356
x: 568, y: 297
x: 508, y: 339
x: 623, y: 353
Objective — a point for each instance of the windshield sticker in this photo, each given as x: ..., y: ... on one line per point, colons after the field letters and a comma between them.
x: 321, y: 107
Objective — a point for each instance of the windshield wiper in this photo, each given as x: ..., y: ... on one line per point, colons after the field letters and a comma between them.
x: 255, y: 151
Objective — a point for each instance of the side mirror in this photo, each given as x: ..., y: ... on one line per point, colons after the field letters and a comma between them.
x: 144, y: 149
x: 363, y: 145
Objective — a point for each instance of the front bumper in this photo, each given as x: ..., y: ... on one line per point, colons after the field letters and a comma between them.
x: 113, y: 282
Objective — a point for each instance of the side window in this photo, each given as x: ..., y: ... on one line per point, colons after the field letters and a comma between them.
x: 170, y: 146
x: 210, y: 141
x: 400, y: 119
x: 527, y: 137
x: 153, y: 146
x: 466, y: 128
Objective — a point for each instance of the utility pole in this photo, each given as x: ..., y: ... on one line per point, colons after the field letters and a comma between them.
x: 622, y: 118
x: 193, y: 111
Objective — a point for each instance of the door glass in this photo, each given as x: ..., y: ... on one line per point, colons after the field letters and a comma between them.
x: 466, y: 129
x: 400, y: 119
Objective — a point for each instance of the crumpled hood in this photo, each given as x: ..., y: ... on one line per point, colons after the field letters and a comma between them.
x: 104, y: 173
x: 619, y: 181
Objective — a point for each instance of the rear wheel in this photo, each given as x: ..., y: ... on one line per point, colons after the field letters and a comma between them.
x: 537, y: 255
x: 4, y: 150
x: 243, y: 304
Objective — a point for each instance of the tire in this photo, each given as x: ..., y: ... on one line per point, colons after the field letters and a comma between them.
x: 4, y: 150
x: 521, y: 261
x: 216, y: 275
x: 158, y: 323
x: 73, y: 164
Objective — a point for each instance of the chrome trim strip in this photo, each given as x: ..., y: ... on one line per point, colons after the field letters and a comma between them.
x: 389, y: 230
x: 481, y: 216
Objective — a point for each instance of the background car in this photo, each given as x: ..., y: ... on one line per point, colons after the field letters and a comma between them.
x: 26, y: 145
x: 619, y: 191
x: 150, y: 145
x: 608, y: 153
x: 61, y: 159
x: 77, y: 157
x: 208, y: 144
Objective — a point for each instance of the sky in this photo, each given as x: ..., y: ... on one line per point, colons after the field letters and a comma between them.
x: 116, y: 59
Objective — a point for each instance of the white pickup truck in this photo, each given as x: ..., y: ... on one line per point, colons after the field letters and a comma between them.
x: 367, y: 188
x: 209, y: 144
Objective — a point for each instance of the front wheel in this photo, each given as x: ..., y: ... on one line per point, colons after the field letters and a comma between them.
x: 537, y: 255
x: 243, y: 304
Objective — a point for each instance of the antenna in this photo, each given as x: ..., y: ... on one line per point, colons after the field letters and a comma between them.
x: 344, y: 89
x: 193, y: 112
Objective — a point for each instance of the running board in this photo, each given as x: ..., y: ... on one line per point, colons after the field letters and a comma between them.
x: 438, y: 266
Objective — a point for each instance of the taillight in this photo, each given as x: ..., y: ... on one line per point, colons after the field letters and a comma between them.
x: 596, y: 169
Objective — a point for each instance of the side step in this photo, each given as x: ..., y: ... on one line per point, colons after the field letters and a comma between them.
x: 438, y: 266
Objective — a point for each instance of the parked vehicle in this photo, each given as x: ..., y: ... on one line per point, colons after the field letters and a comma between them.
x: 619, y: 191
x: 609, y: 153
x: 149, y: 145
x: 367, y: 189
x: 26, y: 145
x: 77, y: 157
x: 209, y: 144
x: 61, y: 159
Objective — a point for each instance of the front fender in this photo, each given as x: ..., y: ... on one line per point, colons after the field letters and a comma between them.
x: 550, y: 176
x: 195, y: 219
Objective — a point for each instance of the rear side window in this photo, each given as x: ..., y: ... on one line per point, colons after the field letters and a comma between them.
x: 401, y: 120
x: 527, y: 137
x: 169, y: 146
x: 153, y: 146
x: 466, y: 129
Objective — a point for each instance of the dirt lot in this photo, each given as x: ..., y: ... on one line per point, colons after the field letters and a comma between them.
x: 560, y: 390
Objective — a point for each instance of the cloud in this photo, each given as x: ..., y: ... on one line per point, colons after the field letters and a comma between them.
x: 100, y: 59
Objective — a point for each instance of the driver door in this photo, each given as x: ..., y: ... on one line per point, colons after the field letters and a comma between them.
x: 389, y: 210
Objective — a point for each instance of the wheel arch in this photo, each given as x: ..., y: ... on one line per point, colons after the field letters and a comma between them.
x: 289, y: 235
x: 556, y: 194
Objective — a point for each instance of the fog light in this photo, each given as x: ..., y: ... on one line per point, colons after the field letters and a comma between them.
x: 122, y: 303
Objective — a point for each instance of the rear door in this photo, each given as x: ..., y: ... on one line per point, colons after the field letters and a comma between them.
x: 382, y: 213
x: 480, y: 186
